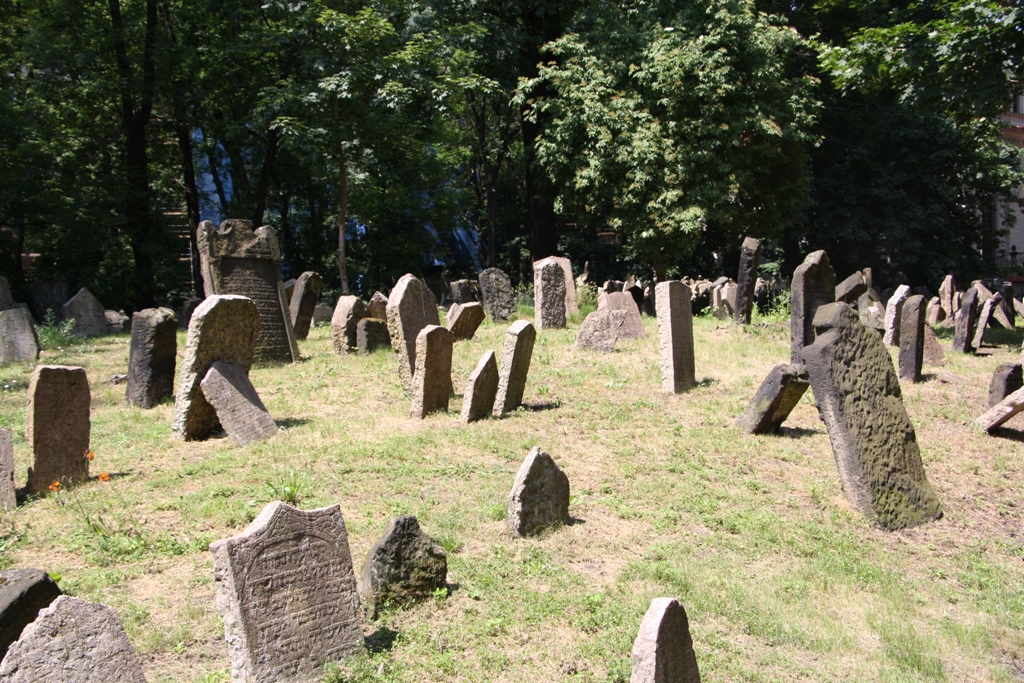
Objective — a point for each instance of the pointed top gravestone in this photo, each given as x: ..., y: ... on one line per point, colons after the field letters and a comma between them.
x: 946, y: 291
x: 540, y: 495
x: 633, y: 325
x: 600, y: 330
x: 378, y: 306
x: 303, y: 302
x: 663, y: 650
x: 403, y: 566
x: 87, y: 312
x: 814, y: 285
x: 411, y: 307
x: 750, y: 255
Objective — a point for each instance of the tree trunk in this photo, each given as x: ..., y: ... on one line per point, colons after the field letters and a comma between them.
x: 492, y: 215
x: 264, y: 184
x: 342, y: 218
x: 215, y: 174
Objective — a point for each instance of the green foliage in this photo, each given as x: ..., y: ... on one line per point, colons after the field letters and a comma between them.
x: 290, y: 488
x: 56, y: 335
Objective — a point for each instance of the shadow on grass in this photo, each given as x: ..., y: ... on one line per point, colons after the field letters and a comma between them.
x: 289, y: 422
x: 797, y: 432
x: 539, y: 407
x: 997, y: 336
x: 381, y: 640
x: 1008, y: 434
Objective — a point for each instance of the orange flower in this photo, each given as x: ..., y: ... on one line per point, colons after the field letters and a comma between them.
x: 104, y: 476
x: 90, y: 455
x: 55, y: 486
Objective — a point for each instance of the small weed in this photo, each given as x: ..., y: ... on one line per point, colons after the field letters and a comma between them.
x: 56, y: 335
x: 290, y: 488
x: 364, y: 668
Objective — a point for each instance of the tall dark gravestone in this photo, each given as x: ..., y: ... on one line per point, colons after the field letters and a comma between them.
x: 814, y: 284
x: 966, y: 319
x: 912, y: 338
x: 152, y: 357
x: 750, y: 255
x: 303, y: 301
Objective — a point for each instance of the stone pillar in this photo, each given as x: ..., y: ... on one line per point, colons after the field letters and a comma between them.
x: 432, y: 383
x: 750, y: 255
x: 814, y: 284
x: 912, y: 338
x: 515, y: 366
x: 675, y: 334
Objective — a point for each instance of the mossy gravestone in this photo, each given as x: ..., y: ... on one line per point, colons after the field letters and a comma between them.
x: 774, y: 401
x: 404, y: 566
x: 540, y: 495
x: 875, y: 447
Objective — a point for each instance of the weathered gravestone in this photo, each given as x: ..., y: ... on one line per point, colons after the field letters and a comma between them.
x: 378, y: 306
x: 411, y: 307
x: 515, y: 366
x: 18, y: 340
x: 289, y: 288
x: 372, y: 334
x: 540, y: 495
x: 152, y: 357
x: 73, y: 641
x: 463, y: 319
x: 600, y: 330
x: 933, y: 354
x: 478, y: 401
x: 403, y: 566
x: 303, y: 302
x: 549, y: 295
x: 45, y: 296
x: 675, y: 336
x: 814, y: 285
x: 663, y: 650
x: 58, y: 427
x: 571, y: 305
x: 775, y: 399
x: 322, y: 313
x: 496, y: 293
x: 23, y: 592
x: 850, y: 290
x: 934, y: 313
x: 347, y: 314
x: 286, y: 592
x: 432, y: 383
x: 8, y: 499
x: 1002, y: 412
x: 859, y: 399
x: 946, y: 291
x: 239, y: 409
x: 912, y: 338
x: 237, y: 260
x: 117, y: 321
x: 87, y: 312
x: 1005, y: 380
x: 966, y: 319
x: 224, y: 328
x: 1007, y: 310
x: 633, y: 326
x: 463, y: 291
x: 187, y: 309
x: 894, y: 315
x: 984, y: 319
x: 750, y: 255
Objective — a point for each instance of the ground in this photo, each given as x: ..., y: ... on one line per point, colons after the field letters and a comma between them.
x: 781, y: 580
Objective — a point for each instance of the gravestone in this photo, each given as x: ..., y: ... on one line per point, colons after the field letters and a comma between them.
x: 894, y: 315
x: 347, y: 314
x: 933, y: 354
x: 411, y: 307
x: 649, y: 306
x: 289, y: 289
x: 859, y: 399
x: 571, y: 305
x: 775, y: 399
x: 750, y: 255
x: 1005, y: 380
x: 152, y: 357
x: 6, y: 300
x: 23, y: 592
x: 851, y: 289
x: 600, y: 330
x: 496, y: 293
x: 814, y: 285
x: 912, y: 339
x: 87, y: 312
x: 637, y: 293
x: 58, y: 427
x: 117, y: 321
x: 463, y: 319
x: 966, y: 319
x: 946, y: 291
x: 239, y: 409
x: 237, y: 260
x: 47, y: 295
x: 73, y: 641
x: 515, y: 366
x: 540, y: 495
x: 378, y: 306
x: 8, y: 498
x: 372, y: 334
x: 1006, y: 308
x: 675, y: 336
x: 870, y: 295
x: 404, y: 566
x: 549, y: 295
x: 885, y: 295
x: 478, y: 401
x: 934, y: 315
x: 18, y: 340
x: 1002, y: 412
x: 633, y: 325
x: 663, y: 650
x: 322, y: 313
x: 984, y: 318
x: 286, y: 592
x: 224, y: 328
x: 303, y: 301
x: 432, y: 383
x: 463, y: 291
x: 187, y: 309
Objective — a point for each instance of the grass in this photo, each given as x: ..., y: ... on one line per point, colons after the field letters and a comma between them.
x: 781, y: 580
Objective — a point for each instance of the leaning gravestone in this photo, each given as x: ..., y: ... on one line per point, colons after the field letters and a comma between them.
x: 303, y: 302
x: 347, y: 314
x: 378, y: 305
x: 372, y: 334
x: 549, y: 295
x: 985, y: 318
x: 850, y: 290
x: 73, y: 641
x: 151, y: 357
x: 432, y: 383
x: 1005, y: 380
x: 750, y: 254
x: 224, y: 328
x: 287, y: 595
x: 403, y: 567
x: 18, y: 340
x: 912, y: 338
x: 496, y: 293
x: 478, y: 401
x: 8, y: 499
x: 600, y: 330
x: 515, y: 366
x: 237, y: 260
x: 663, y: 650
x: 775, y: 399
x: 675, y: 336
x: 463, y: 319
x: 58, y: 427
x: 239, y: 409
x: 411, y: 307
x: 87, y: 312
x: 814, y: 285
x: 966, y: 319
x: 571, y: 305
x: 894, y: 315
x: 859, y: 399
x: 540, y: 495
x: 633, y: 326
x: 23, y: 592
